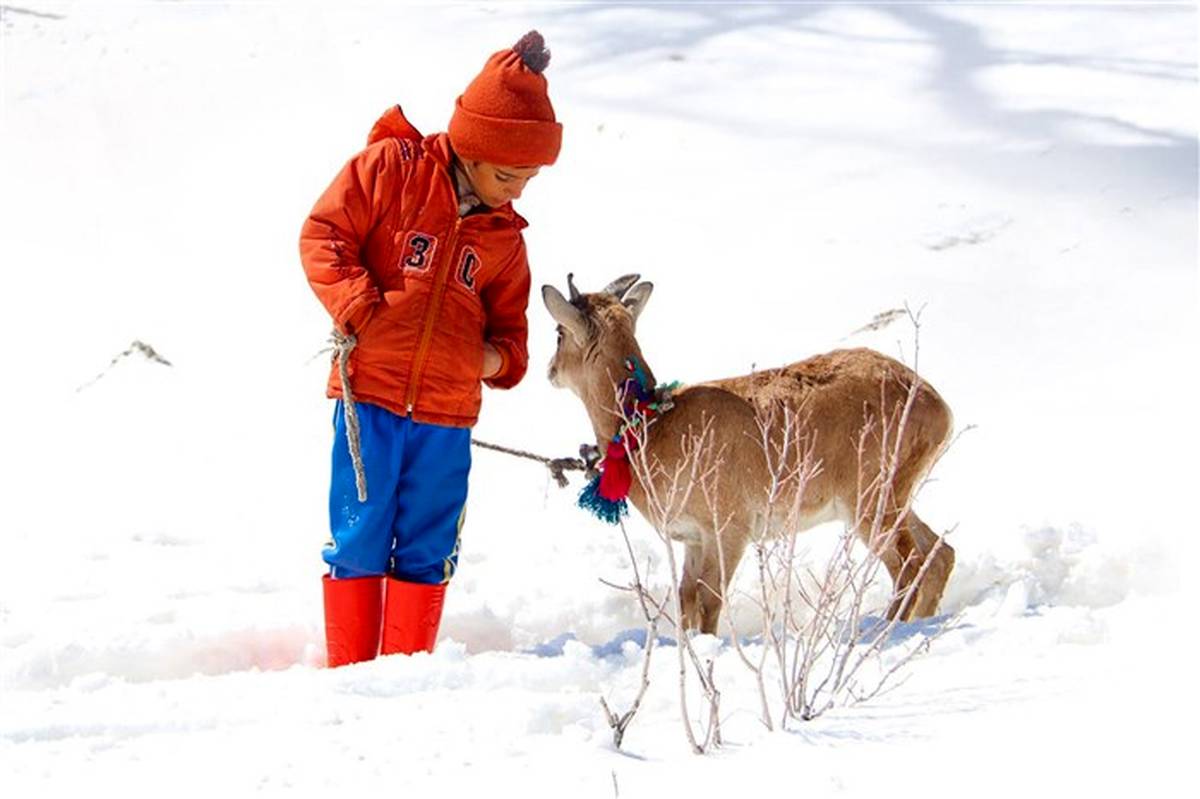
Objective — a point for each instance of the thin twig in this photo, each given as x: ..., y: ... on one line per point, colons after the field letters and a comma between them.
x: 136, y: 347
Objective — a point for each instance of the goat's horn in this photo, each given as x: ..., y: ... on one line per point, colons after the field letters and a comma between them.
x: 571, y: 286
x: 621, y: 285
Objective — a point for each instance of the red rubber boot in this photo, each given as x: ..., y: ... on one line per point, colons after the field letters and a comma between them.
x: 353, y: 611
x: 411, y: 615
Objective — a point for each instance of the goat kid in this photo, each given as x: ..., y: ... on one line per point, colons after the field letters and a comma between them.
x: 841, y: 411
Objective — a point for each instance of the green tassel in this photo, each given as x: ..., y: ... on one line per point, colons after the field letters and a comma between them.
x: 605, y: 509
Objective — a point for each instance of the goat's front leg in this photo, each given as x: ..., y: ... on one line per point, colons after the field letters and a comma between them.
x: 707, y: 575
x: 720, y: 562
x: 690, y: 590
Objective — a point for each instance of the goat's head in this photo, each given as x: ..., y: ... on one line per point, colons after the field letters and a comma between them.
x: 595, y: 331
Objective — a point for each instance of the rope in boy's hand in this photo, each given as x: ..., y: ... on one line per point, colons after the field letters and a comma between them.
x: 342, y: 345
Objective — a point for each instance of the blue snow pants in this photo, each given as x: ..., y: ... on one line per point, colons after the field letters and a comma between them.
x: 409, y: 526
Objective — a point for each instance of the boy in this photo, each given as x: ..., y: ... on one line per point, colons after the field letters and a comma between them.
x: 415, y: 251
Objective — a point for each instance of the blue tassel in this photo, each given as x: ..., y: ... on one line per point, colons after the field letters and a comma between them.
x: 605, y: 509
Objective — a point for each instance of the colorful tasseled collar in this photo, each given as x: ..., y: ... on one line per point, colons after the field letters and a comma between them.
x: 607, y: 494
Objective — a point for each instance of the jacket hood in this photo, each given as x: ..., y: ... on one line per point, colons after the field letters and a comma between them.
x: 394, y: 125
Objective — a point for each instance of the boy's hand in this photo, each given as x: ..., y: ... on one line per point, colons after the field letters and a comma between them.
x: 491, y: 360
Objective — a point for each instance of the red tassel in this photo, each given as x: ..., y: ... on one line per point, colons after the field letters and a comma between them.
x: 615, y: 474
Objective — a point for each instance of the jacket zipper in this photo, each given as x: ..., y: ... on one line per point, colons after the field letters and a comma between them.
x: 435, y: 304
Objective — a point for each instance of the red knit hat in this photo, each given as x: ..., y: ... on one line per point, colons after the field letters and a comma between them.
x: 505, y: 117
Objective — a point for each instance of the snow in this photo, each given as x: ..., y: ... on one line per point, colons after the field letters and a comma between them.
x: 1025, y: 174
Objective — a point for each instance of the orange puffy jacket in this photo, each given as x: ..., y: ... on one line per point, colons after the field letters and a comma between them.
x: 422, y: 289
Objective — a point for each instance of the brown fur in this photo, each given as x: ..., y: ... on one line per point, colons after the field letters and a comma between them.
x: 837, y: 395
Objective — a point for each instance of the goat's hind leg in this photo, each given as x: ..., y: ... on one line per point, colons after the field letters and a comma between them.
x: 940, y: 557
x: 893, y: 544
x: 891, y: 547
x: 917, y: 586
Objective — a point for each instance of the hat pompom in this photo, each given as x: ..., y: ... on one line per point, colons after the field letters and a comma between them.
x: 533, y: 52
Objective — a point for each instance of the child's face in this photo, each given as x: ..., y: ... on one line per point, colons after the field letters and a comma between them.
x: 497, y: 185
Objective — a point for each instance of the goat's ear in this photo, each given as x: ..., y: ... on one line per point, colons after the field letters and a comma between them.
x: 565, y: 313
x: 637, y: 297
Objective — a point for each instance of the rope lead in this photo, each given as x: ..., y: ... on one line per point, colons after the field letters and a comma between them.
x: 342, y: 345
